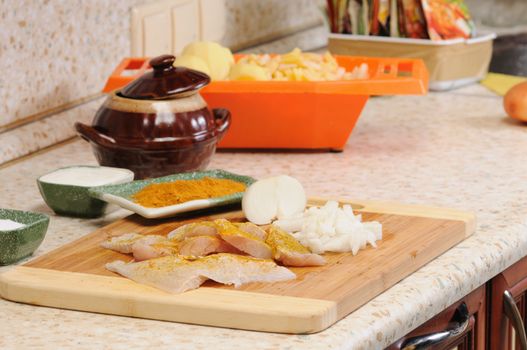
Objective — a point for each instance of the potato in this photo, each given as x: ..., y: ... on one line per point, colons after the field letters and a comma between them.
x: 245, y: 71
x: 192, y: 62
x: 218, y: 59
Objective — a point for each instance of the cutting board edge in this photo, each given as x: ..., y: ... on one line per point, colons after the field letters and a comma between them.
x: 255, y: 311
x: 396, y: 208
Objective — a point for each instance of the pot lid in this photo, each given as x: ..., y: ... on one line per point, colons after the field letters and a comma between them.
x: 165, y: 81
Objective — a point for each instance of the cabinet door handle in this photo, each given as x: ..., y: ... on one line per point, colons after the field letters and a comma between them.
x: 514, y: 315
x: 459, y: 324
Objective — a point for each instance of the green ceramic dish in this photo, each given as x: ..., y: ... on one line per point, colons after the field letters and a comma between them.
x: 121, y: 194
x: 22, y: 242
x: 71, y: 200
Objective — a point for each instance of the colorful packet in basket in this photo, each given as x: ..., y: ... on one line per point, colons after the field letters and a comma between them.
x: 383, y: 14
x: 414, y: 19
x: 447, y: 19
x: 379, y: 17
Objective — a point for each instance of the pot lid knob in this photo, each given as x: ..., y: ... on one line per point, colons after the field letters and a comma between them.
x: 165, y: 81
x: 161, y: 63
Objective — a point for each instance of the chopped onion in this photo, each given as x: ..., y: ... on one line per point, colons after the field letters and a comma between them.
x: 332, y: 228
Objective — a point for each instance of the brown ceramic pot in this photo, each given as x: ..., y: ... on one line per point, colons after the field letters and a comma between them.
x: 158, y: 124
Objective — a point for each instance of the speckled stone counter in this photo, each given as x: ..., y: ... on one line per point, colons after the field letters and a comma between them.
x: 453, y: 149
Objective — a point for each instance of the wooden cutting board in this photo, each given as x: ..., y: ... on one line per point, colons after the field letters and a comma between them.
x: 74, y: 277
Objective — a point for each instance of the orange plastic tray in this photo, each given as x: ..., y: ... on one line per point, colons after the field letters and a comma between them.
x: 297, y: 115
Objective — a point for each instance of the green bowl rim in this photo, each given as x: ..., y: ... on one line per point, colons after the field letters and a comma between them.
x: 39, y: 181
x: 42, y: 218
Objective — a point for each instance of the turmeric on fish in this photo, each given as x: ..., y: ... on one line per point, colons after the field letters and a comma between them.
x: 180, y: 191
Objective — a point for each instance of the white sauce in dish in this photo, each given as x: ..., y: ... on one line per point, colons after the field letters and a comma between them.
x: 88, y: 176
x: 8, y: 225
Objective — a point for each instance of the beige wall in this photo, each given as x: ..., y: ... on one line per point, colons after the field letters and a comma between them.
x: 251, y: 21
x: 55, y: 56
x: 55, y: 52
x: 499, y: 13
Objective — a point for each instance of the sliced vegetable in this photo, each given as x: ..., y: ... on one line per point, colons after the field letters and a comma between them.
x: 245, y: 71
x: 291, y: 196
x: 260, y: 203
x: 218, y: 59
x: 267, y: 199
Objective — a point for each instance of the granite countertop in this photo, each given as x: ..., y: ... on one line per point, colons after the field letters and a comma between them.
x: 454, y: 149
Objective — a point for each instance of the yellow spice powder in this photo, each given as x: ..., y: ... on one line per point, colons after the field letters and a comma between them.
x: 180, y: 191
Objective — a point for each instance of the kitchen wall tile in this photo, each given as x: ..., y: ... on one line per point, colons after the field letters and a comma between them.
x: 54, y: 52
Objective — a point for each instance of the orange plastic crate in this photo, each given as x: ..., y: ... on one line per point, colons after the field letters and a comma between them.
x: 297, y: 115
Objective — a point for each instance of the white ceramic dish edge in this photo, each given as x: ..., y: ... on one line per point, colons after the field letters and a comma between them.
x: 426, y: 42
x: 155, y: 213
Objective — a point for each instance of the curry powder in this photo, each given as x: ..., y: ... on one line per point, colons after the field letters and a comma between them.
x: 180, y: 191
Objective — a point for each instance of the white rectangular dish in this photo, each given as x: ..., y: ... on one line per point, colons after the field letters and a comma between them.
x: 450, y: 63
x: 121, y: 195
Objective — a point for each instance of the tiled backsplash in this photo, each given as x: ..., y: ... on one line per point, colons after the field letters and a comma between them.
x: 55, y: 55
x: 55, y: 52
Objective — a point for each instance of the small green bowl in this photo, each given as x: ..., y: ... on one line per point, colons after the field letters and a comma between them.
x: 22, y: 242
x: 73, y: 200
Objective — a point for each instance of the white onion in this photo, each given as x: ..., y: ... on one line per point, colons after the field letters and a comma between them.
x: 331, y: 228
x: 280, y: 196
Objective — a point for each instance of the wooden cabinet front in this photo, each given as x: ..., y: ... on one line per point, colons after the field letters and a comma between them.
x: 461, y: 326
x: 507, y: 295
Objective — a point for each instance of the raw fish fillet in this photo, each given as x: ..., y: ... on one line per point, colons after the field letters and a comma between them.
x: 170, y: 273
x: 144, y: 250
x: 289, y: 251
x: 175, y: 274
x: 242, y: 240
x: 205, y: 245
x: 125, y: 242
x: 252, y: 229
x: 203, y: 228
x: 237, y: 270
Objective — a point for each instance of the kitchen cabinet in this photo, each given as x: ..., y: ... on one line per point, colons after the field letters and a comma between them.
x: 461, y: 326
x: 491, y: 317
x: 508, y: 308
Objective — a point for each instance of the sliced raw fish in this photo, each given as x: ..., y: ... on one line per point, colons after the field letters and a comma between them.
x: 144, y: 250
x: 253, y: 229
x: 289, y: 251
x: 205, y: 245
x: 237, y: 269
x: 175, y: 274
x: 202, y: 228
x: 125, y: 242
x: 170, y: 273
x: 242, y: 240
